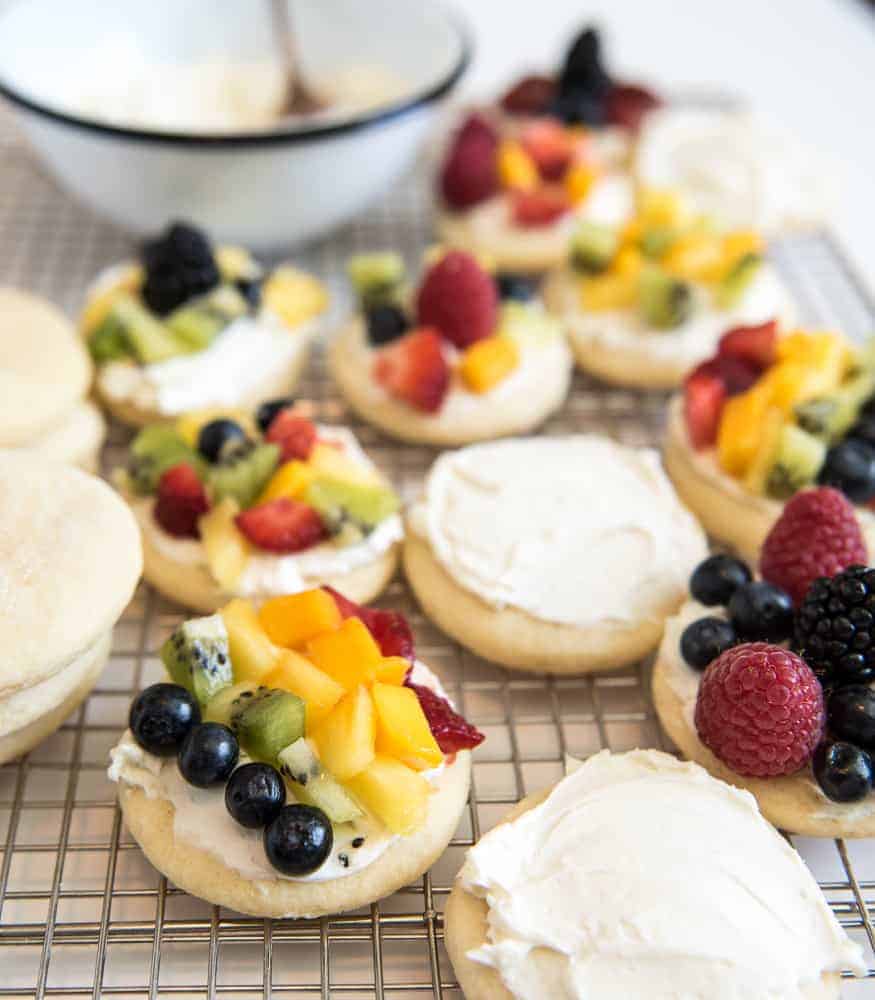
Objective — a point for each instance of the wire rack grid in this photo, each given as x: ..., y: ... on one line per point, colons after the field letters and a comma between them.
x: 82, y: 914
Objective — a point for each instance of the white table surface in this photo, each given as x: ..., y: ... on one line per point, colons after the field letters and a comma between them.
x: 809, y: 64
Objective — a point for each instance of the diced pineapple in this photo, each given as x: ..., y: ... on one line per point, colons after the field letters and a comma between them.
x: 293, y: 619
x: 326, y: 459
x: 297, y: 674
x: 516, y: 169
x: 345, y: 739
x: 402, y: 728
x: 236, y: 263
x: 813, y: 368
x: 578, y: 181
x: 770, y: 434
x: 189, y: 425
x: 628, y: 262
x: 695, y: 257
x: 392, y: 670
x: 225, y: 548
x: 294, y: 295
x: 603, y: 292
x: 737, y: 244
x: 738, y: 436
x: 97, y: 308
x: 253, y: 655
x: 349, y: 654
x: 290, y: 480
x: 488, y: 362
x: 661, y: 208
x: 394, y: 793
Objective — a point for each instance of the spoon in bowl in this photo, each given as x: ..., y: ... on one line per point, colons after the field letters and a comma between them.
x: 298, y: 98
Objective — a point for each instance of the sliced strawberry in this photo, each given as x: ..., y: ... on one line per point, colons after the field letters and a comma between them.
x: 281, y: 525
x: 296, y: 435
x: 469, y: 174
x: 452, y: 732
x: 755, y: 345
x: 414, y: 369
x: 736, y: 375
x: 541, y: 207
x: 181, y: 501
x: 550, y: 146
x: 704, y: 396
x: 626, y: 104
x: 533, y: 95
x: 390, y: 629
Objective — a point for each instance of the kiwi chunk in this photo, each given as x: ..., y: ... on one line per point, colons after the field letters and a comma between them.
x: 339, y: 501
x: 220, y: 707
x: 737, y: 280
x: 244, y: 473
x: 311, y: 784
x: 196, y: 656
x: 665, y: 301
x: 830, y: 417
x: 796, y: 462
x: 657, y: 240
x: 153, y: 451
x: 593, y: 247
x: 150, y: 340
x: 109, y: 342
x: 376, y: 277
x: 268, y: 722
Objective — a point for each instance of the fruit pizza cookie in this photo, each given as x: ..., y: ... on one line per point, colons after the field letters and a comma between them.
x: 191, y: 325
x: 517, y: 176
x: 45, y: 376
x: 644, y: 302
x: 253, y: 504
x: 300, y: 760
x: 561, y: 554
x: 69, y: 562
x: 771, y: 413
x: 766, y: 681
x: 639, y: 877
x: 468, y: 356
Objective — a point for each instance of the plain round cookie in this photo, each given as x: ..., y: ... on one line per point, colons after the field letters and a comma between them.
x: 203, y: 875
x: 465, y: 928
x: 516, y: 416
x: 44, y: 367
x: 525, y: 251
x: 77, y: 439
x: 70, y: 559
x: 727, y: 511
x: 513, y: 637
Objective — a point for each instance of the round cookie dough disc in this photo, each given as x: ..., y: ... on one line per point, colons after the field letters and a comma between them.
x: 44, y: 367
x: 76, y: 440
x: 69, y: 561
x: 465, y: 928
x: 526, y: 251
x: 204, y: 875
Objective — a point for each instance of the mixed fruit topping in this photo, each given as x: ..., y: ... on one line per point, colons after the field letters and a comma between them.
x: 465, y: 326
x: 789, y: 662
x: 316, y: 692
x: 665, y: 263
x: 270, y: 481
x: 183, y: 293
x: 784, y: 412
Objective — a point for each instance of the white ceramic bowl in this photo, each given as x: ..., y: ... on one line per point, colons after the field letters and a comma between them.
x: 265, y: 189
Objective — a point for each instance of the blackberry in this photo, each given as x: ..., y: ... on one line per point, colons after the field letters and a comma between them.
x: 835, y: 627
x: 583, y: 70
x: 179, y: 265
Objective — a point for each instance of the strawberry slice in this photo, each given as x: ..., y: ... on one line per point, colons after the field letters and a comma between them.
x: 452, y: 732
x: 390, y: 629
x: 533, y: 95
x: 704, y: 396
x: 296, y: 435
x: 755, y: 345
x: 626, y: 104
x: 414, y: 369
x: 541, y: 207
x: 736, y: 375
x: 282, y: 525
x: 550, y: 146
x: 181, y: 501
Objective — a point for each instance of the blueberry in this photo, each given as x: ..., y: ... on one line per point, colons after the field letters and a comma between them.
x: 517, y: 287
x: 850, y: 467
x: 715, y: 580
x: 851, y: 715
x: 704, y: 640
x: 161, y: 717
x: 269, y: 410
x: 254, y: 795
x: 219, y: 437
x: 385, y: 323
x: 208, y: 755
x: 250, y: 289
x: 864, y: 428
x: 761, y: 612
x: 843, y: 771
x: 299, y: 840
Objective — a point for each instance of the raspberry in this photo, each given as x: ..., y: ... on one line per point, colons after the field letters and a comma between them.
x: 296, y: 435
x: 451, y: 731
x: 469, y: 173
x: 390, y: 629
x: 760, y: 710
x: 181, y: 501
x: 458, y: 298
x: 281, y: 525
x: 816, y: 535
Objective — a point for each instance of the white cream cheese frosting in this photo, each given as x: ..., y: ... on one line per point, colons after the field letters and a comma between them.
x: 201, y: 819
x: 575, y: 530
x: 643, y: 877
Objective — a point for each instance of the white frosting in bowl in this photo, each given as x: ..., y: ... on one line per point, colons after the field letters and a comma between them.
x: 574, y: 530
x: 643, y: 878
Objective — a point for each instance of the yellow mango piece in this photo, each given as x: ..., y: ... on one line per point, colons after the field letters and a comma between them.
x: 657, y: 207
x: 189, y: 425
x: 402, y: 729
x: 349, y: 654
x: 743, y: 241
x: 392, y: 670
x: 346, y: 738
x: 326, y: 459
x: 578, y: 181
x: 488, y: 362
x: 695, y: 257
x: 738, y: 436
x: 225, y: 547
x: 293, y: 619
x: 297, y: 674
x: 631, y: 233
x: 290, y: 480
x: 294, y: 295
x: 516, y: 169
x: 97, y: 308
x: 761, y: 463
x: 253, y: 655
x: 603, y: 292
x: 813, y: 366
x: 628, y: 262
x: 394, y: 793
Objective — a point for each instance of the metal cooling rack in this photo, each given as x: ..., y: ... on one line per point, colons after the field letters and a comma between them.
x: 82, y: 914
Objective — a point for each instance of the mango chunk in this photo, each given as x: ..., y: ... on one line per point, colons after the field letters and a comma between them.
x: 345, y: 740
x: 349, y: 654
x: 225, y: 547
x: 392, y: 670
x: 297, y: 674
x: 489, y: 362
x: 290, y: 480
x: 253, y: 655
x: 402, y: 728
x: 294, y: 295
x: 293, y: 619
x: 394, y: 793
x: 516, y: 169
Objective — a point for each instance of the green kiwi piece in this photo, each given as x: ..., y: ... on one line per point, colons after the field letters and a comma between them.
x: 153, y: 451
x: 735, y: 283
x: 220, y: 707
x: 796, y: 462
x: 593, y: 247
x: 376, y: 277
x: 830, y: 417
x: 657, y: 240
x: 665, y: 302
x: 109, y: 342
x: 149, y: 338
x: 338, y: 501
x: 268, y: 722
x: 196, y: 656
x: 243, y: 474
x: 311, y: 784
